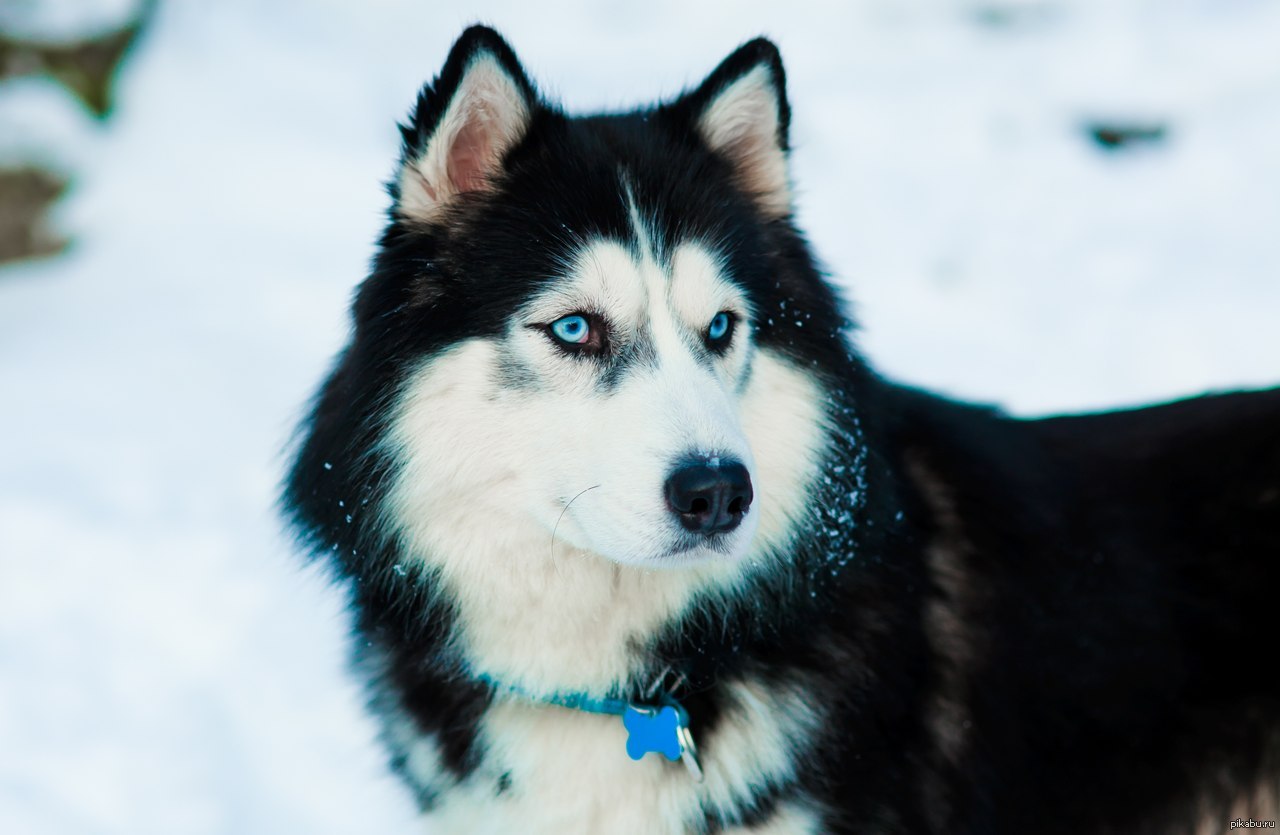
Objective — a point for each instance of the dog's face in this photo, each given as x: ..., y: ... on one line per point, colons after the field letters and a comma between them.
x: 583, y: 324
x: 609, y: 408
x: 630, y: 411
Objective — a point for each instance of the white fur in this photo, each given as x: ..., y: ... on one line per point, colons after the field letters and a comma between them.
x: 422, y: 761
x: 741, y: 123
x: 783, y: 417
x: 789, y: 819
x: 486, y: 116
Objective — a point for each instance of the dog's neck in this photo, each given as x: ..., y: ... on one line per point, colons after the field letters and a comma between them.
x: 567, y: 620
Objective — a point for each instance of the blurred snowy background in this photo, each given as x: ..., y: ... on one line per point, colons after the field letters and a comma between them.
x: 1053, y: 205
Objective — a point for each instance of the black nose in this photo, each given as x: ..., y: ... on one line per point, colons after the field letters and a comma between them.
x: 709, y: 497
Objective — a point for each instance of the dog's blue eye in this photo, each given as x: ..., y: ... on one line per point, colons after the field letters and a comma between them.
x: 572, y: 330
x: 719, y: 327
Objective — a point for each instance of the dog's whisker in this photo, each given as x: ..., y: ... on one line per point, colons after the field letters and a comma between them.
x: 560, y: 518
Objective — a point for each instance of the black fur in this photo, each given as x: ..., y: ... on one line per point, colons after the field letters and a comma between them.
x: 1059, y: 625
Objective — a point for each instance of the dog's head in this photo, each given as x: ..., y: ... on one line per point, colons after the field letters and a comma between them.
x: 603, y: 328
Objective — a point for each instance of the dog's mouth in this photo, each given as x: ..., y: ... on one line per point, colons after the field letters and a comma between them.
x: 702, y: 548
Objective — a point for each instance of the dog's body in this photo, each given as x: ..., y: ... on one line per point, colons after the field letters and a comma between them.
x: 600, y: 438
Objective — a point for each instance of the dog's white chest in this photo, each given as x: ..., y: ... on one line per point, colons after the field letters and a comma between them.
x: 554, y: 770
x: 563, y: 770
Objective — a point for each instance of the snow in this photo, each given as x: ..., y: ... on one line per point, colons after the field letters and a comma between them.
x: 167, y: 665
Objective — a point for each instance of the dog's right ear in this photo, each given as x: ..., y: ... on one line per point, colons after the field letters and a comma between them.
x: 741, y: 113
x: 476, y: 111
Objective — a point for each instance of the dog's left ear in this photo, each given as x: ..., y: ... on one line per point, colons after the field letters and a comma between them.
x: 465, y: 124
x: 741, y: 113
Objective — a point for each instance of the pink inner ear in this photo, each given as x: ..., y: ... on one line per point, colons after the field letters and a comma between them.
x: 488, y: 115
x: 473, y: 153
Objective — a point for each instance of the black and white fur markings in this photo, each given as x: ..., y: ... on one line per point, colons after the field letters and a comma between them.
x: 600, y: 426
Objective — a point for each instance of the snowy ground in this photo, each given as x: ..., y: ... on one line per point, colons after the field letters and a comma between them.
x: 166, y: 666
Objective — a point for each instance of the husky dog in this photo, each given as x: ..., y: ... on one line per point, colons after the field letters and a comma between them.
x: 637, y: 543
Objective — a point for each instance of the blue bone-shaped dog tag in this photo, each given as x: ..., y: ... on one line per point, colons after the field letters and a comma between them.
x: 652, y: 730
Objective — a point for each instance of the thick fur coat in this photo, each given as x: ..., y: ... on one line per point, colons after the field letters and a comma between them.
x: 920, y: 616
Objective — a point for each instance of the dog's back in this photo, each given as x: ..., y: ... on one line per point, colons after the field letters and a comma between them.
x: 1117, y: 575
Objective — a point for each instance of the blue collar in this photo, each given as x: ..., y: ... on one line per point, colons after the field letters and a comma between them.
x: 574, y: 701
x: 660, y: 726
